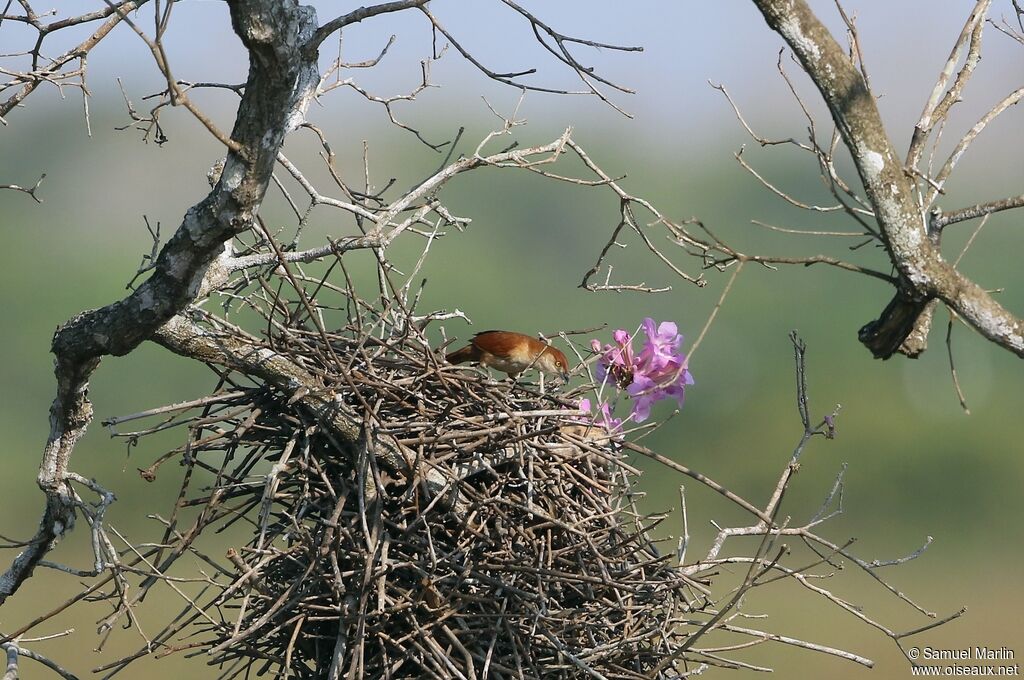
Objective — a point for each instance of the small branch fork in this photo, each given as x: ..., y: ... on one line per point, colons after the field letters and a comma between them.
x: 560, y: 49
x: 31, y: 191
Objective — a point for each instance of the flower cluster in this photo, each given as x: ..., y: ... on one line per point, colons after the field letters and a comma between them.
x: 658, y: 372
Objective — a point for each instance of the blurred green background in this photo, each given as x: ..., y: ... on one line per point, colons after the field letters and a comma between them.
x: 918, y: 465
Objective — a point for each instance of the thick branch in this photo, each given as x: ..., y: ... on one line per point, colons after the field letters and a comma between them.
x: 280, y: 83
x: 185, y: 338
x: 854, y: 111
x: 924, y: 274
x: 346, y: 427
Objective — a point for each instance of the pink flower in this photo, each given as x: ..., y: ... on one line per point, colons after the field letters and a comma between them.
x: 659, y: 372
x: 607, y: 420
x: 662, y: 344
x: 617, y: 360
x: 604, y: 416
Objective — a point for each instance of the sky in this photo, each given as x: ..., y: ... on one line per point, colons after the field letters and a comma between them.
x: 685, y: 44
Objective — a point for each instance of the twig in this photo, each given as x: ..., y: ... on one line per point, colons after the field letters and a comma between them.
x: 31, y: 191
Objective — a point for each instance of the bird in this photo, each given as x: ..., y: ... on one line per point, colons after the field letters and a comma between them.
x: 511, y: 353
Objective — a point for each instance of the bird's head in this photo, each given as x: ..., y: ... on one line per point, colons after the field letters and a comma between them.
x: 554, y: 361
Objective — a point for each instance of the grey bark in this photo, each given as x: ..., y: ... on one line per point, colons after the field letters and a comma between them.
x: 924, y: 274
x: 281, y: 81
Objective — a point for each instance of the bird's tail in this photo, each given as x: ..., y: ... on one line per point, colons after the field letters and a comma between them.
x: 461, y: 356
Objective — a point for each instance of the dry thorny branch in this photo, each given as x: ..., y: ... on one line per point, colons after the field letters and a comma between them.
x: 402, y: 518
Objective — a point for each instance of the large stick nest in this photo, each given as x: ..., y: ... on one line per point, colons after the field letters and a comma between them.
x: 470, y: 528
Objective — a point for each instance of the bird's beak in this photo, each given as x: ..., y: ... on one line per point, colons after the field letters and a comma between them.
x: 565, y: 376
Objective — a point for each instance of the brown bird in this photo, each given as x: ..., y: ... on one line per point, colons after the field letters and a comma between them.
x: 511, y: 353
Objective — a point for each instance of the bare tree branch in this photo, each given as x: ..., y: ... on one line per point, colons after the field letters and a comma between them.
x: 31, y: 191
x: 560, y: 52
x: 176, y: 94
x: 961, y: 147
x: 280, y: 81
x: 39, y: 75
x: 357, y: 15
x: 942, y: 100
x: 924, y: 274
x: 941, y: 220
